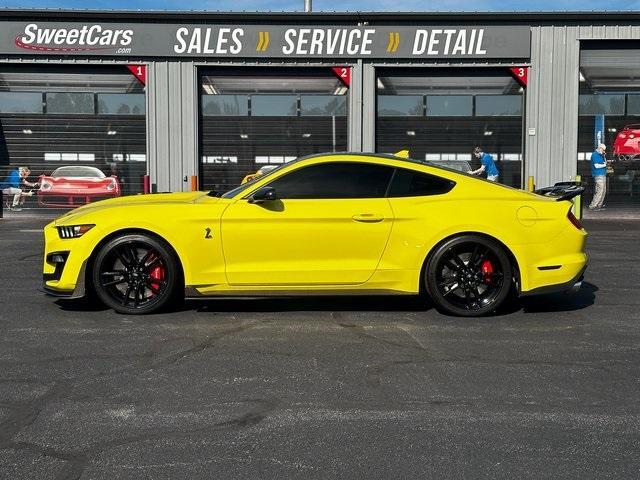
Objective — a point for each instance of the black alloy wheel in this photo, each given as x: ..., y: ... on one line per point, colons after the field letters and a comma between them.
x: 135, y: 274
x: 468, y: 276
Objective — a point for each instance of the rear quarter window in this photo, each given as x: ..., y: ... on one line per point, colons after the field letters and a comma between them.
x: 409, y: 183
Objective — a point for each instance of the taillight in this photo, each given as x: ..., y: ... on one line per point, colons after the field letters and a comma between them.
x: 572, y: 218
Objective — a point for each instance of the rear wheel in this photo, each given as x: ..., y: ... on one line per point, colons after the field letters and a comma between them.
x: 135, y: 274
x: 468, y: 276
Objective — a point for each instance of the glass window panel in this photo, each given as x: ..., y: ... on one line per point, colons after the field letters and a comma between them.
x: 323, y: 105
x: 229, y: 105
x: 121, y: 103
x: 407, y: 183
x: 334, y: 180
x: 291, y: 113
x: 601, y: 104
x: 633, y: 104
x: 274, y: 105
x: 65, y: 102
x: 497, y: 105
x: 400, y: 105
x: 20, y: 102
x: 449, y: 106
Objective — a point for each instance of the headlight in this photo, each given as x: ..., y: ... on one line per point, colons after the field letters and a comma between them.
x: 45, y: 185
x: 73, y: 231
x: 112, y: 184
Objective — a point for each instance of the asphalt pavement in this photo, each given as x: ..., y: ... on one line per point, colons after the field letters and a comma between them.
x: 350, y: 388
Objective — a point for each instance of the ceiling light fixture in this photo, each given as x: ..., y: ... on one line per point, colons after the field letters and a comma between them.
x: 488, y: 133
x: 27, y: 131
x: 411, y: 133
x: 244, y: 136
x: 306, y: 135
x: 111, y: 132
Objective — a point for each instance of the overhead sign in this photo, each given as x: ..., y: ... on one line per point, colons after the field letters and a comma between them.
x: 264, y: 41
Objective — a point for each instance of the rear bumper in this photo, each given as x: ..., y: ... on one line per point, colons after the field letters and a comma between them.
x: 572, y: 285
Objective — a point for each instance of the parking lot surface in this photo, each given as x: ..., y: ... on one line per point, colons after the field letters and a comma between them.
x: 371, y: 387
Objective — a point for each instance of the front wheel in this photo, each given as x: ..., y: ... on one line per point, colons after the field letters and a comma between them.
x: 468, y: 276
x: 135, y: 274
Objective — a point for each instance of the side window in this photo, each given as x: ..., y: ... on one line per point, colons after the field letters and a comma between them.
x: 335, y: 180
x: 409, y: 183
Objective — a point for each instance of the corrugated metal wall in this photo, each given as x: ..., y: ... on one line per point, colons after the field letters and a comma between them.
x: 552, y: 97
x: 173, y: 124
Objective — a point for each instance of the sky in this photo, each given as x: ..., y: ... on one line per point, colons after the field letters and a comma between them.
x: 331, y: 5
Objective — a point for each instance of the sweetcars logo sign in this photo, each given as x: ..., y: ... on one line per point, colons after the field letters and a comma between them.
x: 78, y: 39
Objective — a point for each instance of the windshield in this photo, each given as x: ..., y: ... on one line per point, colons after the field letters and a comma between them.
x: 232, y: 193
x: 83, y: 172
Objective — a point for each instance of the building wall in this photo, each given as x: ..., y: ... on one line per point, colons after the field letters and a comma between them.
x: 552, y: 97
x: 551, y: 104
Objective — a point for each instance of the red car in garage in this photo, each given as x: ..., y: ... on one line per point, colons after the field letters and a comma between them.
x: 627, y: 143
x: 71, y: 186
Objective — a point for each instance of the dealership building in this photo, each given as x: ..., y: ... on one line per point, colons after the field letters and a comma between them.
x: 172, y: 101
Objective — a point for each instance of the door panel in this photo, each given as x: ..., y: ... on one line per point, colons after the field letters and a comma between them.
x: 305, y: 242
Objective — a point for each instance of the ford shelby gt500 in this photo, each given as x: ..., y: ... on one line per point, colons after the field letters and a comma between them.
x: 326, y: 224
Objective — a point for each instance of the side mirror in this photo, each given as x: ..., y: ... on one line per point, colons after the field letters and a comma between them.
x: 263, y: 194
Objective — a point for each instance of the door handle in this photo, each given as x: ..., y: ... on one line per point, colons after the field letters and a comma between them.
x: 368, y: 218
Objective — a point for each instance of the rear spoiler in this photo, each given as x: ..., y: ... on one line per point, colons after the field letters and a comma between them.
x: 561, y: 190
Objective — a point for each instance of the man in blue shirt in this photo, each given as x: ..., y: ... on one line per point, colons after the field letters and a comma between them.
x: 487, y: 165
x: 12, y: 186
x: 599, y: 173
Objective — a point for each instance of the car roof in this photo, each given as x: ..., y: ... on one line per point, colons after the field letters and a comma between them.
x: 387, y: 156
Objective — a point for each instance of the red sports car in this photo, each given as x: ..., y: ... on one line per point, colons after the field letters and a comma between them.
x: 627, y: 143
x: 76, y: 185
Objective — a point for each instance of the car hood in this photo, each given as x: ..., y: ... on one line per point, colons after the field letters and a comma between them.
x: 148, y: 200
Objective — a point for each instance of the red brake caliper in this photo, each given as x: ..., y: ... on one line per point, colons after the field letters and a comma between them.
x: 487, y: 271
x: 157, y: 273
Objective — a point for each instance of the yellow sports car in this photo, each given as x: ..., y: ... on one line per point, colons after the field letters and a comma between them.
x: 339, y: 223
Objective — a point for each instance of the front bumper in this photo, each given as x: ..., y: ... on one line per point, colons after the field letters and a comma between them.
x: 63, y: 272
x: 72, y: 199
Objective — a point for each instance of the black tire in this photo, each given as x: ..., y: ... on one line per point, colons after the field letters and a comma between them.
x: 468, y: 276
x: 135, y: 274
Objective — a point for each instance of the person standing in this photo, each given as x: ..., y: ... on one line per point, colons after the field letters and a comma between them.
x: 12, y: 186
x: 487, y: 165
x: 599, y: 173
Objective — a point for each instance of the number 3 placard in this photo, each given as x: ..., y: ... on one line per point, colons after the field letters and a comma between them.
x: 521, y: 74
